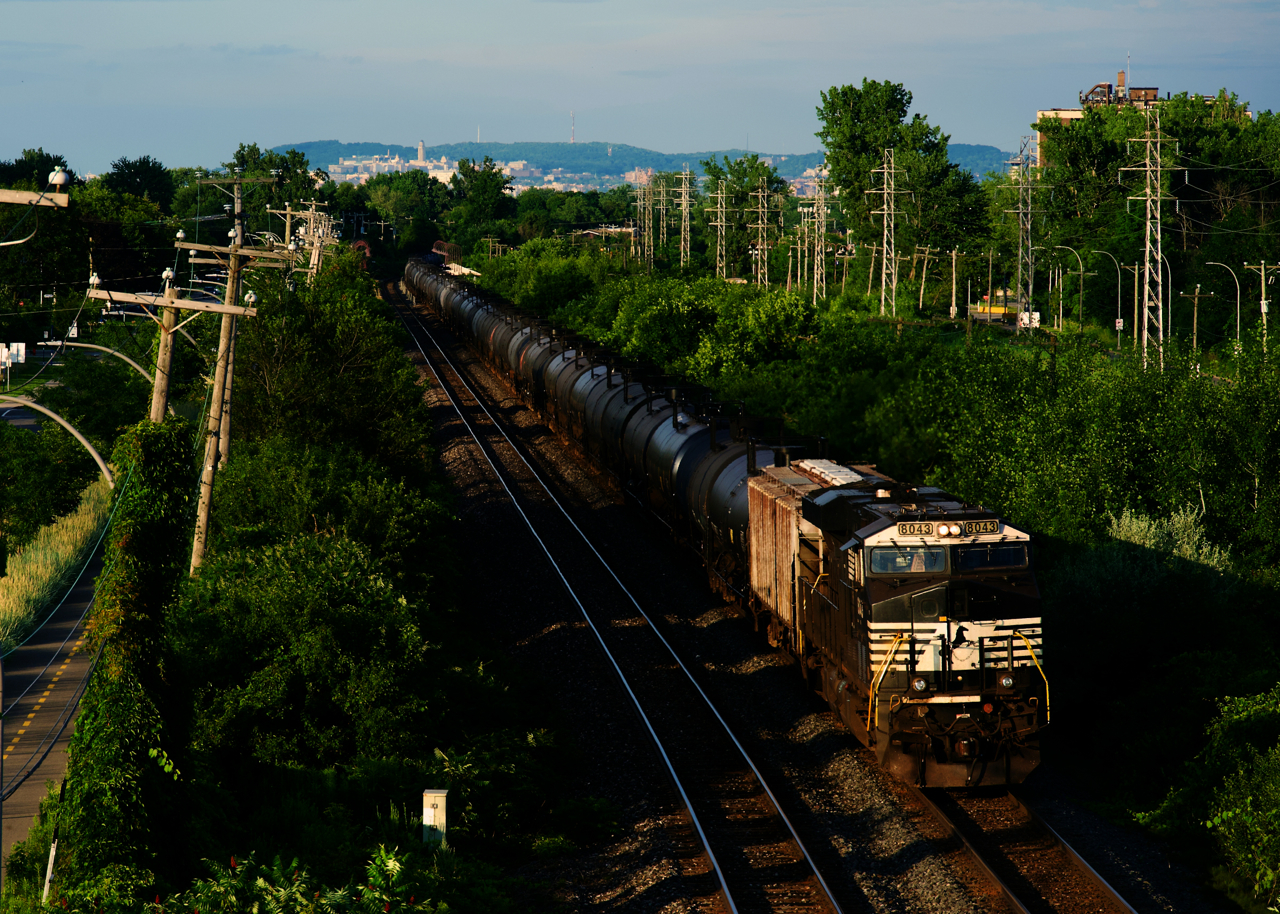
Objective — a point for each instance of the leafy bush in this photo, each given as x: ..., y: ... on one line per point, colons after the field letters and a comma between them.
x: 276, y: 489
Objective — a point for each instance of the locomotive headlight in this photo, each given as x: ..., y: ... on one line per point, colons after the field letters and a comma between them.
x: 919, y: 683
x: 944, y: 530
x: 1006, y: 681
x: 954, y: 529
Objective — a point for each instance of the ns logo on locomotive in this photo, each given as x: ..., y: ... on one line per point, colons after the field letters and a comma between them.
x: 916, y: 615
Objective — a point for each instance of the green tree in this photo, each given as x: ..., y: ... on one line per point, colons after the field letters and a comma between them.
x: 483, y: 206
x: 944, y: 205
x: 142, y: 177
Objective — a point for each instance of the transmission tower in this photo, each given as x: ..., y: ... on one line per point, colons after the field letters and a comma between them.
x: 662, y: 215
x: 761, y: 209
x: 1021, y: 167
x: 820, y: 242
x: 889, y: 212
x: 648, y: 225
x: 685, y: 200
x: 1152, y: 195
x: 720, y: 225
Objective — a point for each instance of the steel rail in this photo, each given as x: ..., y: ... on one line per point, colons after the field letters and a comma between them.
x: 1083, y: 865
x: 977, y: 857
x: 581, y: 608
x: 679, y: 661
x: 1086, y: 870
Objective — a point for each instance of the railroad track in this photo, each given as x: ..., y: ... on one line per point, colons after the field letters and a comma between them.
x: 1029, y: 863
x: 759, y: 860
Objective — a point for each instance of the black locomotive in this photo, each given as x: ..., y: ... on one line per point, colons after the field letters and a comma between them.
x: 915, y: 614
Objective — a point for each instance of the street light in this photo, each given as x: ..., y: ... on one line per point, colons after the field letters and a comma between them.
x: 1080, y: 310
x: 1214, y: 263
x: 1119, y: 319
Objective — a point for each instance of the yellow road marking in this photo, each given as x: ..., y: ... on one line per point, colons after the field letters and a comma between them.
x: 39, y: 701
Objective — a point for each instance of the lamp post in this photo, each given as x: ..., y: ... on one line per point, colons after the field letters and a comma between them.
x: 1080, y: 309
x: 1214, y: 263
x: 1119, y: 319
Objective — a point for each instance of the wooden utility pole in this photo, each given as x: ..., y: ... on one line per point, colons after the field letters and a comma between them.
x: 955, y: 252
x: 1195, y: 314
x: 991, y: 289
x: 1262, y: 269
x: 167, y: 304
x: 871, y: 267
x: 218, y: 426
x: 924, y: 276
x: 1134, y: 269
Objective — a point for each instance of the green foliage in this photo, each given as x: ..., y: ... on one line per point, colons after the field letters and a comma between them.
x: 543, y: 274
x: 101, y: 394
x: 302, y: 654
x: 413, y: 202
x: 542, y: 211
x: 1220, y: 185
x: 274, y: 490
x: 143, y: 178
x: 435, y: 880
x: 945, y: 205
x: 1246, y: 820
x: 41, y: 477
x: 483, y: 205
x: 148, y: 543
x: 326, y: 367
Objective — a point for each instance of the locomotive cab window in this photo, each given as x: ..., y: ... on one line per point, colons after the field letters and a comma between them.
x: 908, y: 560
x: 988, y: 557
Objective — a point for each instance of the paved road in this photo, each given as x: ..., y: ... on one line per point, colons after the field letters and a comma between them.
x: 43, y: 681
x: 19, y: 417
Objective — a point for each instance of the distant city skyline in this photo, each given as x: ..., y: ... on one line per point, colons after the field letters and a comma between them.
x: 187, y: 80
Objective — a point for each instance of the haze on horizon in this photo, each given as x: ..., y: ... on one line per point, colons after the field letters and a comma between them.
x: 187, y: 80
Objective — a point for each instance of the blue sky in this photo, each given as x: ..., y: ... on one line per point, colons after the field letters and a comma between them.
x: 186, y: 80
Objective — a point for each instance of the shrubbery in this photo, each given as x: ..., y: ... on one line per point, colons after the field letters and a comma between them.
x: 292, y: 701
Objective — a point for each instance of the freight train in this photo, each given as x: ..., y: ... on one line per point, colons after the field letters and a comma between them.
x: 916, y: 615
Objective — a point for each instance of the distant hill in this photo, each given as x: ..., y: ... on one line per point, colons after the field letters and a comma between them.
x: 603, y: 158
x: 978, y: 159
x: 575, y: 158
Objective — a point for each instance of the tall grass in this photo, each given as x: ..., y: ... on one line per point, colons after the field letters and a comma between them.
x: 41, y: 571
